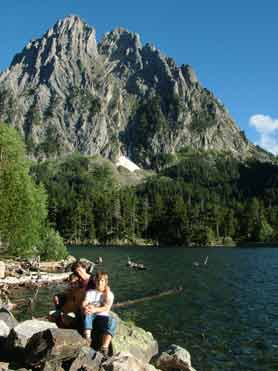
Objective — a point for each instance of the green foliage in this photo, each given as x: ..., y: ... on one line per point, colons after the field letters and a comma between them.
x: 22, y: 203
x: 52, y: 246
x: 200, y: 200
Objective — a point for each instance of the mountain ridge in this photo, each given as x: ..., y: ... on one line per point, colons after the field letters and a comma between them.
x: 65, y: 92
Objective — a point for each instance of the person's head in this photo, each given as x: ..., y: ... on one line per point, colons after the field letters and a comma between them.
x: 77, y: 265
x: 80, y: 269
x: 101, y: 281
x: 74, y: 281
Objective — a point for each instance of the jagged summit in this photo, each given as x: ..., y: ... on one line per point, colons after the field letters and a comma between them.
x: 65, y: 92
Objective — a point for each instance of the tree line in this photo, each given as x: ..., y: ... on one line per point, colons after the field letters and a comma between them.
x: 194, y: 198
x: 203, y: 198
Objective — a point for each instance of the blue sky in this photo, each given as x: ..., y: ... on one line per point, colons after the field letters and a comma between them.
x: 232, y: 45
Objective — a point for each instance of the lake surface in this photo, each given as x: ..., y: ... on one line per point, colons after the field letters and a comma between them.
x: 227, y: 315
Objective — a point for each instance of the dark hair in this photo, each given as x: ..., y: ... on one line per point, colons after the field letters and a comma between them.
x: 76, y: 265
x: 73, y: 277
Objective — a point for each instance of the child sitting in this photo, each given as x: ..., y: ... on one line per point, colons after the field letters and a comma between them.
x: 96, y: 307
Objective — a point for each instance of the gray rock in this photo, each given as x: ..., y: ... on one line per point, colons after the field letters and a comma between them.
x: 175, y: 358
x: 87, y: 359
x: 53, y: 345
x: 126, y: 362
x: 22, y: 333
x: 135, y: 340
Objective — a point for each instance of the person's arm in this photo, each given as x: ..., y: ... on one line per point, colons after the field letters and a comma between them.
x: 83, y: 274
x: 85, y: 303
x: 91, y: 309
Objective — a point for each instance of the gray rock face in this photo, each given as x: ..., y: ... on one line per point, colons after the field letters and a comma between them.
x: 66, y: 93
x: 175, y: 358
x: 20, y: 334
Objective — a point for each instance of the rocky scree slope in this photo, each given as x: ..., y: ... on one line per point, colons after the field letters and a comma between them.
x: 67, y: 93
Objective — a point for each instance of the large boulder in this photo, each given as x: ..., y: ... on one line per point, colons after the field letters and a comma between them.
x: 175, y: 358
x: 22, y: 333
x: 134, y: 340
x: 88, y: 360
x: 53, y: 345
x: 125, y: 362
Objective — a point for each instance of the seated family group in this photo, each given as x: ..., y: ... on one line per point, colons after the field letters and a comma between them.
x: 90, y: 299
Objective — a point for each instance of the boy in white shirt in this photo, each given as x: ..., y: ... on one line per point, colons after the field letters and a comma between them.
x: 96, y: 307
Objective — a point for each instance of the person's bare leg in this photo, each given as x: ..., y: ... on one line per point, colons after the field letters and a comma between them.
x: 106, y: 340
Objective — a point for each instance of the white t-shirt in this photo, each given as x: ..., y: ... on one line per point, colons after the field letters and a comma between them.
x: 98, y: 299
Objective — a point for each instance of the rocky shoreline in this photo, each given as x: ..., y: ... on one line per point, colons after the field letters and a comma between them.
x: 40, y: 345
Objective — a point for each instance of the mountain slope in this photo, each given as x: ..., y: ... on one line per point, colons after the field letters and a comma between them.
x: 67, y: 93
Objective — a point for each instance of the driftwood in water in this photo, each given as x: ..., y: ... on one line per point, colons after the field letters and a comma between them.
x: 134, y: 265
x: 146, y: 298
x: 35, y: 279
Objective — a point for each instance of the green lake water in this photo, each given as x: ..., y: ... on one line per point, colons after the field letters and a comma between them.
x: 227, y: 315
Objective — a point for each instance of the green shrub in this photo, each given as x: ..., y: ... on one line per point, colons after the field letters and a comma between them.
x: 52, y: 246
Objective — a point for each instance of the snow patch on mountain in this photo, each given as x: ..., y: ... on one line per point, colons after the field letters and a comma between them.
x: 127, y: 163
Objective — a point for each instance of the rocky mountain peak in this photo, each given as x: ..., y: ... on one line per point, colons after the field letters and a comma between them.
x: 121, y: 44
x: 66, y: 93
x: 189, y: 74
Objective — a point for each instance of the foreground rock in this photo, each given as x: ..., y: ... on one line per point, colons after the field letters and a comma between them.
x: 53, y: 345
x: 41, y: 346
x: 126, y: 362
x: 135, y: 340
x: 87, y: 359
x: 175, y: 358
x: 23, y: 332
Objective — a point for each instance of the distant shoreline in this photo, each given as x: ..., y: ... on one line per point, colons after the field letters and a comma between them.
x: 160, y: 246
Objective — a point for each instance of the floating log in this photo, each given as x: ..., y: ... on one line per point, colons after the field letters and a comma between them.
x: 146, y: 298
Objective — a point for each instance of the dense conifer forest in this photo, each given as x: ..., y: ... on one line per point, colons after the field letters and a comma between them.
x: 199, y: 198
x: 195, y: 198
